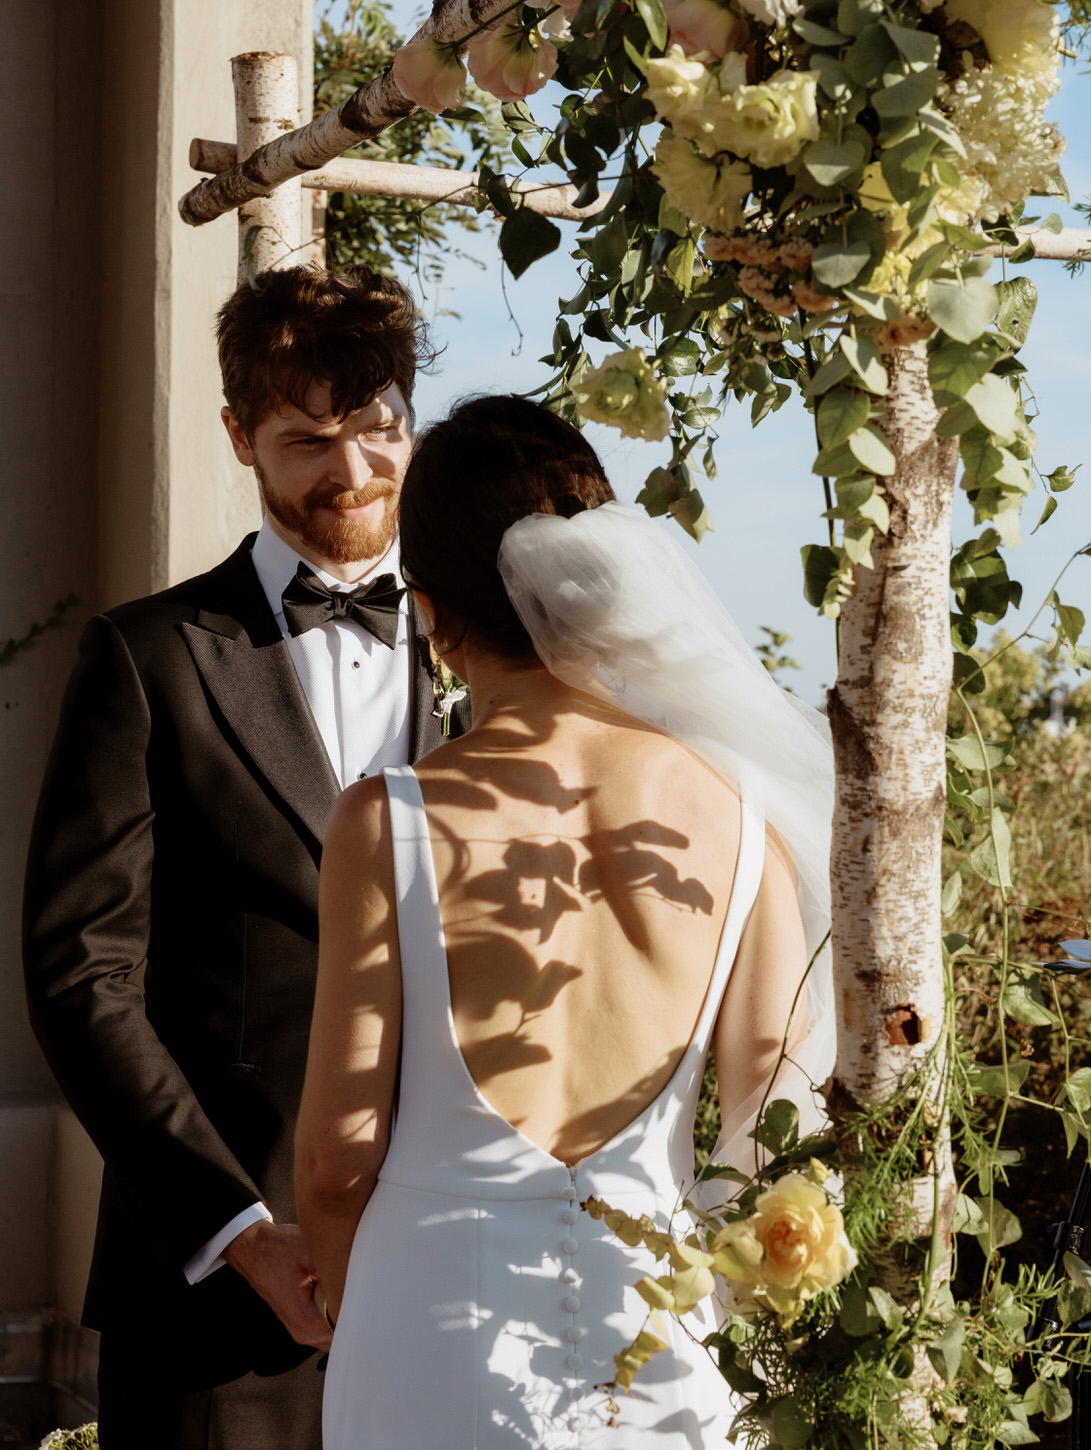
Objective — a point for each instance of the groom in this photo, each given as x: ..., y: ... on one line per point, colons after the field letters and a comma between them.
x: 171, y: 899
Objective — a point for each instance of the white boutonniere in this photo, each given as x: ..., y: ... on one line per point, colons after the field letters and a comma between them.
x: 447, y: 688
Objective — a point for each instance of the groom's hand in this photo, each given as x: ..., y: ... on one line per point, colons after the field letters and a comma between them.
x: 272, y: 1260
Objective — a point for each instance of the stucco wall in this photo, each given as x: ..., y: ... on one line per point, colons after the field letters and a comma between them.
x: 115, y: 475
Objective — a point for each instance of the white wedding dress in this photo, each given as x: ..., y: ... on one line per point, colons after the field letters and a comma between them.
x: 483, y: 1309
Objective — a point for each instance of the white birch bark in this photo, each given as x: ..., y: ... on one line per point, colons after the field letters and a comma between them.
x: 366, y: 113
x: 888, y: 714
x: 267, y: 105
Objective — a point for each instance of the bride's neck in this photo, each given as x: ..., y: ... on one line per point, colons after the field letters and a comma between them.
x: 502, y: 689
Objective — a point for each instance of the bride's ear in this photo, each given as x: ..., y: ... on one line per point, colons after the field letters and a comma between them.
x: 425, y: 612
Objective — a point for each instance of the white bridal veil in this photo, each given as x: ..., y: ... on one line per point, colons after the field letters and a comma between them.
x: 616, y: 608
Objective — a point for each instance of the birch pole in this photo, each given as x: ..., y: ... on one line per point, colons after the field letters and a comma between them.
x: 888, y: 715
x: 267, y: 106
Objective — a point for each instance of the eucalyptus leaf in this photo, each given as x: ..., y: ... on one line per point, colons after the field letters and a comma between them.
x: 831, y: 164
x: 1078, y: 1088
x: 970, y: 753
x: 907, y: 94
x: 835, y: 264
x: 995, y: 404
x: 952, y: 893
x: 920, y: 47
x: 1001, y: 1225
x: 820, y: 564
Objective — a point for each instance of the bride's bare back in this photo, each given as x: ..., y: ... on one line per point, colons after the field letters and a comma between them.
x: 584, y: 875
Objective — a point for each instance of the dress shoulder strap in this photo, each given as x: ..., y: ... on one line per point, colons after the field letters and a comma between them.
x: 420, y: 927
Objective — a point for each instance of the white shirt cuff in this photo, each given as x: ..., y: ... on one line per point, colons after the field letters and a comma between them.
x: 210, y: 1258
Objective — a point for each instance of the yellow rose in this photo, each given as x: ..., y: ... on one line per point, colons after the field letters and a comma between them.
x: 624, y: 392
x: 705, y: 191
x: 1019, y: 35
x: 803, y: 1237
x: 681, y: 90
x: 768, y: 124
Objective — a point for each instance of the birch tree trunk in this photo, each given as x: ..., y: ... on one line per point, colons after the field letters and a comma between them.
x: 267, y: 106
x: 888, y: 714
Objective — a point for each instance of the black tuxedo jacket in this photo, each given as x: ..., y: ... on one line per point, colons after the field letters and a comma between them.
x: 171, y: 944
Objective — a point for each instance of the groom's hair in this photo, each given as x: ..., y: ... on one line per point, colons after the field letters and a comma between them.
x: 356, y: 330
x: 490, y: 462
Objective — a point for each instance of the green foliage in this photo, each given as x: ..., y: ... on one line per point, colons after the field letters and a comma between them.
x: 12, y: 648
x: 390, y: 232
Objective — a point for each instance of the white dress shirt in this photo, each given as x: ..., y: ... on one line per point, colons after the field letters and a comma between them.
x: 358, y: 691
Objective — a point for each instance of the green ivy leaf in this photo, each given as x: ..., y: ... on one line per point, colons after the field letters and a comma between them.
x: 1022, y: 999
x: 681, y: 358
x: 945, y: 1353
x: 1073, y: 1304
x: 866, y: 362
x: 872, y: 451
x: 963, y: 310
x: 954, y: 367
x: 778, y: 1129
x: 820, y: 565
x: 840, y: 413
x: 992, y: 862
x: 1000, y: 1081
x: 1078, y: 1088
x: 832, y: 372
x: 995, y: 404
x: 525, y: 237
x: 654, y: 18
x: 952, y: 893
x: 971, y: 755
x: 1016, y: 301
x: 792, y: 1425
x: 1001, y: 1225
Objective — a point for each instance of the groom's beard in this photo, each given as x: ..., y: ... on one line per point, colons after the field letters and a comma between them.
x: 341, y: 541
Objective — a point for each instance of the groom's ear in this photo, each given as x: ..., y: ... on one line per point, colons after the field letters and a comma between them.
x: 239, y: 441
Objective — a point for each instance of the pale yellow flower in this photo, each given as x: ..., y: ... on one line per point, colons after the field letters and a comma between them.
x: 624, y: 392
x: 705, y: 27
x: 768, y: 124
x: 430, y: 75
x: 681, y: 90
x: 1020, y: 35
x: 705, y: 191
x: 511, y: 62
x: 803, y: 1237
x: 737, y: 1255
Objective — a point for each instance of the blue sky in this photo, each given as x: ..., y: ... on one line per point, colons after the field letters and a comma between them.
x: 765, y: 503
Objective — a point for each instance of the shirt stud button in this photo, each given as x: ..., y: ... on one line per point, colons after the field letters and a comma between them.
x: 570, y: 1276
x: 572, y: 1304
x: 571, y: 1215
x: 356, y: 664
x: 573, y: 1334
x: 574, y: 1361
x: 573, y: 1392
x: 362, y: 775
x: 575, y: 1423
x: 570, y: 1245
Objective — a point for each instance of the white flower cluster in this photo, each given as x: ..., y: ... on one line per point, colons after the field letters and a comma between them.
x: 774, y: 13
x: 1011, y: 150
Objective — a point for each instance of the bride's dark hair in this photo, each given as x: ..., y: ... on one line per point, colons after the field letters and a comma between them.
x: 491, y: 461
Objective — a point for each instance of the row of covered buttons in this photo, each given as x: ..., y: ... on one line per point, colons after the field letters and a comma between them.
x: 571, y: 1303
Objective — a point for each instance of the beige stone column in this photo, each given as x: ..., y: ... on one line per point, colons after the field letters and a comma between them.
x: 117, y: 476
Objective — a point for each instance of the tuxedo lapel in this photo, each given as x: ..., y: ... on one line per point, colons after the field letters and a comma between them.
x: 242, y: 658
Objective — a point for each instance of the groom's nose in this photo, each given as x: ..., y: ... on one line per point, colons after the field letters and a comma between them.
x: 352, y: 465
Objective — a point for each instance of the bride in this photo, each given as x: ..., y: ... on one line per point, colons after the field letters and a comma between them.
x: 528, y: 945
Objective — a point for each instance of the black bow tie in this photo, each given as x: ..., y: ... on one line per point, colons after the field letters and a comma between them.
x: 308, y: 602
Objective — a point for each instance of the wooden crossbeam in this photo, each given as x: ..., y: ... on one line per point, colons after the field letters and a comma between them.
x: 416, y: 183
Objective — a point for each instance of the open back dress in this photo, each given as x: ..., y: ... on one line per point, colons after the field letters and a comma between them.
x: 483, y: 1308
